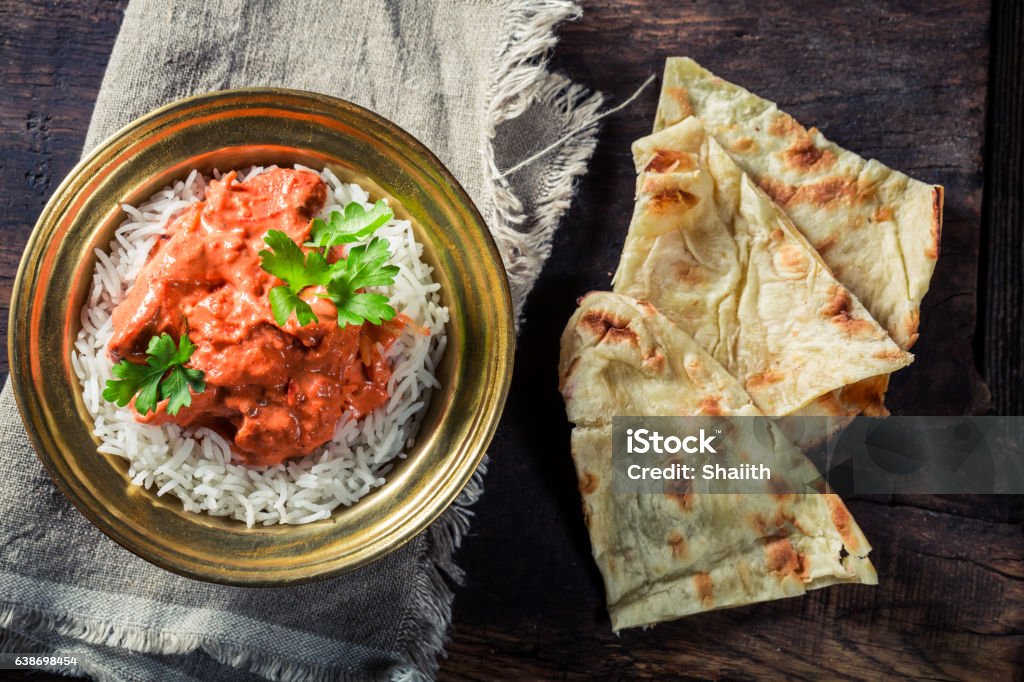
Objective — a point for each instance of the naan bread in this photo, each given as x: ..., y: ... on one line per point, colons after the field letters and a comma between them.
x: 866, y: 397
x: 663, y: 556
x: 876, y: 228
x: 614, y: 341
x: 715, y: 255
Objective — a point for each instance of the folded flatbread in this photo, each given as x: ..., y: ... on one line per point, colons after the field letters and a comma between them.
x: 664, y: 556
x: 876, y: 228
x: 714, y: 254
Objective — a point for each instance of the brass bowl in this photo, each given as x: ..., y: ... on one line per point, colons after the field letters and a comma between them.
x: 234, y: 129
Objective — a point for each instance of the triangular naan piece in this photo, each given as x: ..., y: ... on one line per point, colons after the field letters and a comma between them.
x: 663, y: 556
x: 608, y: 345
x: 877, y: 228
x: 714, y: 254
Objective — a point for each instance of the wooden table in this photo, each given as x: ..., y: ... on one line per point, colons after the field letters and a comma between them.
x: 932, y: 88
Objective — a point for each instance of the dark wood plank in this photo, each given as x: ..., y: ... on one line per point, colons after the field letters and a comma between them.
x: 880, y: 78
x: 1001, y: 351
x: 869, y: 77
x: 52, y: 58
x: 903, y: 628
x: 893, y: 79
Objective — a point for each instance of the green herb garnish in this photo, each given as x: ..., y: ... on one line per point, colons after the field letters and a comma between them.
x: 285, y: 260
x: 163, y: 377
x: 365, y: 266
x: 348, y: 226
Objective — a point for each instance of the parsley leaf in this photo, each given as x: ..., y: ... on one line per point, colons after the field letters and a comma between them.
x: 175, y: 388
x: 286, y: 261
x: 284, y: 302
x: 364, y: 267
x: 343, y: 280
x: 149, y: 382
x: 353, y: 224
x: 132, y: 378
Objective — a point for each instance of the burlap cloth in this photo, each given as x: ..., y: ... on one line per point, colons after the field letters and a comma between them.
x: 469, y: 80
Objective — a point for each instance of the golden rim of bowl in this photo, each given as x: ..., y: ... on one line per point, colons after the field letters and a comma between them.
x: 230, y: 129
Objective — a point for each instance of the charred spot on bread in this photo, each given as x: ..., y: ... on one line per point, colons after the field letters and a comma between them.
x: 780, y: 192
x: 784, y: 125
x: 667, y: 200
x: 838, y: 303
x: 762, y: 379
x: 711, y: 406
x: 705, y: 588
x: 838, y: 310
x: 604, y: 326
x: 668, y: 161
x: 781, y: 557
x: 677, y: 543
x: 826, y: 192
x: 882, y: 214
x: 743, y: 145
x: 804, y: 155
x: 790, y: 262
x: 932, y: 250
x: 843, y: 522
x: 588, y: 483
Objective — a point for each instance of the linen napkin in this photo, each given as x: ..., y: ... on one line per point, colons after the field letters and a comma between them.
x: 469, y: 79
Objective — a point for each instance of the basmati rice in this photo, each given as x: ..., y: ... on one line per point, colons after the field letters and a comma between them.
x: 196, y: 464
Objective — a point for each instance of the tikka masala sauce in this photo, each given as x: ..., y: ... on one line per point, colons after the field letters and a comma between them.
x: 275, y: 392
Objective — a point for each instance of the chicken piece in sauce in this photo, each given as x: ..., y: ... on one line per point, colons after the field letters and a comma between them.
x: 275, y: 392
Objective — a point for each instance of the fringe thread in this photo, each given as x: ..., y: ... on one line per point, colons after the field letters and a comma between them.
x: 521, y: 79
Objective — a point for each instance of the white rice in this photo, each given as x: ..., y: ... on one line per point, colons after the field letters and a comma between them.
x: 196, y: 464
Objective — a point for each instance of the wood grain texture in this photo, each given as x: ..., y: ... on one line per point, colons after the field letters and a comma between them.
x: 52, y: 57
x: 903, y: 628
x: 896, y: 81
x: 878, y: 78
x: 901, y: 81
x: 1001, y: 350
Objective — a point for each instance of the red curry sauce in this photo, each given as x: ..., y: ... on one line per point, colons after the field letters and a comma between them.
x: 275, y: 392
